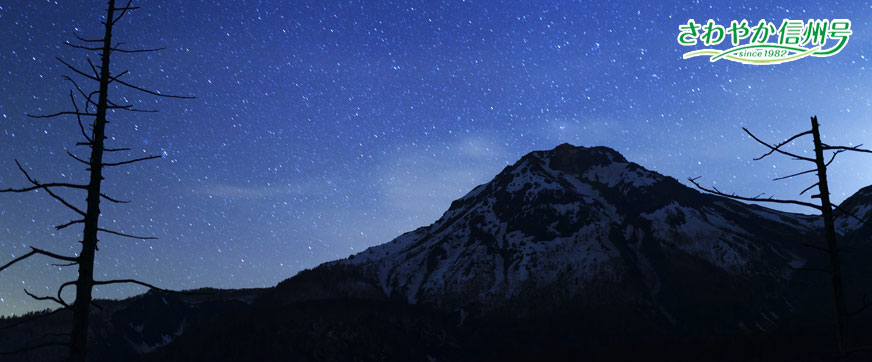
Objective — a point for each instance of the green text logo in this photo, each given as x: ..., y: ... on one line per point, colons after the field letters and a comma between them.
x: 793, y: 39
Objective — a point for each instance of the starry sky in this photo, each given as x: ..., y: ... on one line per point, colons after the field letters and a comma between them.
x: 321, y: 128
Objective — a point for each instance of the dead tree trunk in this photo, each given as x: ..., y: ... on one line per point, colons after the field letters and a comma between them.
x: 90, y: 215
x: 826, y: 208
x: 832, y: 245
x: 85, y: 282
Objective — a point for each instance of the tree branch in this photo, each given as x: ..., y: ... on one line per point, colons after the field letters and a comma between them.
x: 67, y: 264
x: 61, y: 289
x: 777, y: 148
x: 810, y: 187
x: 87, y: 40
x: 843, y: 148
x: 93, y: 69
x: 78, y: 159
x: 81, y: 92
x: 137, y: 50
x: 91, y: 77
x: 150, y: 91
x: 132, y: 281
x: 123, y: 11
x: 38, y: 186
x: 129, y: 109
x: 754, y: 199
x: 833, y: 158
x: 147, y: 285
x: 62, y: 113
x: 126, y: 235
x: 110, y: 199
x: 56, y: 256
x: 68, y: 224
x: 76, y: 46
x: 64, y: 202
x: 34, y: 251
x: 79, y: 117
x: 114, y: 78
x: 131, y: 161
x: 44, y: 187
x: 53, y: 299
x: 794, y: 175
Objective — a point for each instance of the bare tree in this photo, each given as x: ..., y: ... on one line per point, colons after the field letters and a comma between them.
x: 84, y: 106
x: 826, y: 209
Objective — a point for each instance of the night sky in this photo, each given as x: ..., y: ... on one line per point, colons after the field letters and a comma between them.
x: 320, y: 128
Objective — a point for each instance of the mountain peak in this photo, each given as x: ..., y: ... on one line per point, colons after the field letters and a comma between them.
x: 595, y: 166
x: 578, y: 159
x: 575, y: 218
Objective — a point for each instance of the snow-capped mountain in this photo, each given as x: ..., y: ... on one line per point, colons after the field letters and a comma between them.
x: 569, y: 252
x: 568, y: 222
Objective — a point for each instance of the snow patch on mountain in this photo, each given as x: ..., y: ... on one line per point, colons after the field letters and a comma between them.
x: 704, y: 233
x: 571, y: 216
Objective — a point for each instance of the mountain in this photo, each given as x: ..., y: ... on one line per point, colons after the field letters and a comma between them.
x: 562, y: 223
x: 570, y: 253
x: 852, y: 213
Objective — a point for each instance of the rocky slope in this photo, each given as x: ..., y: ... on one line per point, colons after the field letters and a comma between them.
x: 573, y: 222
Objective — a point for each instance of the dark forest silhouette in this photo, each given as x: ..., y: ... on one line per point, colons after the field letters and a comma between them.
x: 826, y: 209
x: 94, y: 139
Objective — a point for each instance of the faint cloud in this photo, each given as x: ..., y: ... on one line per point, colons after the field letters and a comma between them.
x: 477, y: 147
x: 228, y: 191
x: 421, y: 183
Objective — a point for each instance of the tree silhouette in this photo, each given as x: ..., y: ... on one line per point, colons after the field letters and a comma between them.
x: 826, y: 209
x: 95, y: 164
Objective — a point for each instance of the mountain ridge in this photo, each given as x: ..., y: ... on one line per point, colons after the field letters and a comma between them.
x: 567, y: 251
x: 592, y: 204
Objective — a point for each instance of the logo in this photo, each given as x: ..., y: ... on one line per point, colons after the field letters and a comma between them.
x: 793, y: 40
